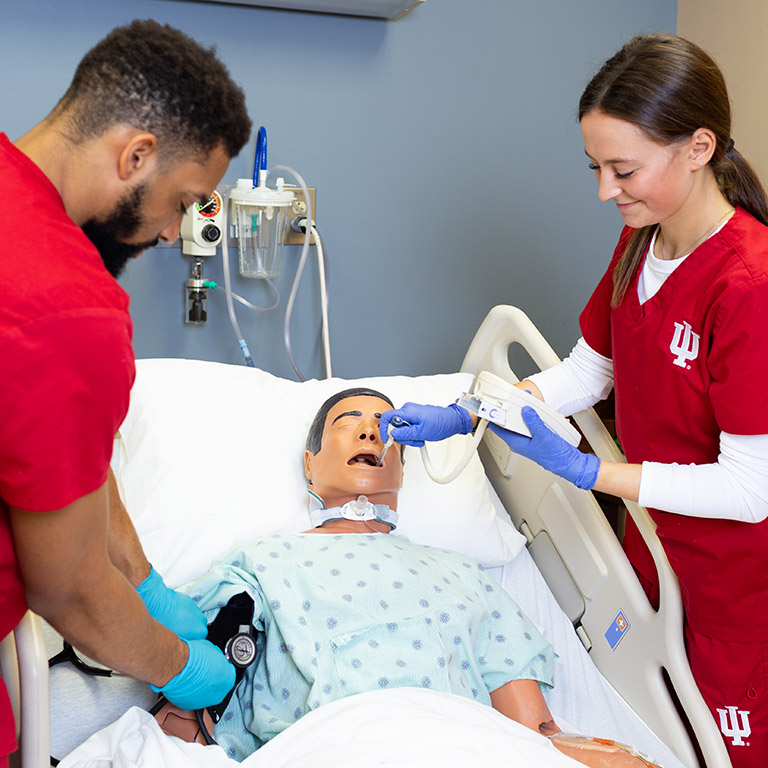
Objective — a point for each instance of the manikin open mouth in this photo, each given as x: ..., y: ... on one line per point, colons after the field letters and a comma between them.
x: 367, y: 458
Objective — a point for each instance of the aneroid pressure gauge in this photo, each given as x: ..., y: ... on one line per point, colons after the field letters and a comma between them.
x: 202, y: 227
x: 240, y: 649
x: 210, y: 209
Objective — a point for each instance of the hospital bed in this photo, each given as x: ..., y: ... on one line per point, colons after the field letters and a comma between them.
x: 210, y: 455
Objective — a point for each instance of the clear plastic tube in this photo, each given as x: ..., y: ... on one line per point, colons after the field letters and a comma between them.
x: 323, y: 302
x: 231, y: 296
x: 228, y: 288
x: 299, y: 269
x: 248, y: 304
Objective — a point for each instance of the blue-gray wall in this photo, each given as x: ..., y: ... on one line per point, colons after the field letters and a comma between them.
x: 448, y: 163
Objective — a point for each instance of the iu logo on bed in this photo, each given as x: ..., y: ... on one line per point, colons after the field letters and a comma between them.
x: 619, y: 627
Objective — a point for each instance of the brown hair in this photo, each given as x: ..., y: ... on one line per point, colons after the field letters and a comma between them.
x: 669, y: 87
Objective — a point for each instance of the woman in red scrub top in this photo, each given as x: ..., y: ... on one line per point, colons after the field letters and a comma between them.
x: 678, y: 328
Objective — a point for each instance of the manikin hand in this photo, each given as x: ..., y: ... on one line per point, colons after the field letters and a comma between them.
x: 550, y: 451
x: 599, y: 753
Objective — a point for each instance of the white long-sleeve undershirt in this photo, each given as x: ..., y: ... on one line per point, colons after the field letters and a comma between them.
x: 735, y: 487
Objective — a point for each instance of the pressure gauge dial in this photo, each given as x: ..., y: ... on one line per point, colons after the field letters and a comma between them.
x: 240, y: 649
x: 211, y: 208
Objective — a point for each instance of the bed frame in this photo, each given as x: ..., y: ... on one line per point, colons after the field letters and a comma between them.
x: 579, y: 555
x: 573, y: 546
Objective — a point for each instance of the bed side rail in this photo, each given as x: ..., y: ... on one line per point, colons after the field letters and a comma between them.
x: 582, y: 560
x: 24, y: 665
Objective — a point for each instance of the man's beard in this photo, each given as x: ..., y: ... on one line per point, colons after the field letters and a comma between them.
x: 109, y: 235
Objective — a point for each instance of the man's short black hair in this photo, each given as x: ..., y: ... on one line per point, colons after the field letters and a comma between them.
x: 157, y: 79
x: 315, y: 435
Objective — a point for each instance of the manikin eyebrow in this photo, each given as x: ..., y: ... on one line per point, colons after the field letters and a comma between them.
x: 353, y: 413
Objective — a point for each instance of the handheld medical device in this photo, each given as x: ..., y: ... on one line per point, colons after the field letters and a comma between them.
x: 201, y: 231
x: 496, y: 400
x: 493, y: 399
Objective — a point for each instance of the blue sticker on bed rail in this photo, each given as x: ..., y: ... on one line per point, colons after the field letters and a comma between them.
x: 619, y: 627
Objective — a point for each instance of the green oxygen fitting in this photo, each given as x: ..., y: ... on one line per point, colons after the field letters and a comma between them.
x: 210, y: 284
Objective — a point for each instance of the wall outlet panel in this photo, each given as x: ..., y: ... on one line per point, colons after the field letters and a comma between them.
x: 299, y: 209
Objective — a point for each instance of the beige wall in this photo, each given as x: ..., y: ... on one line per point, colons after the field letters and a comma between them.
x: 735, y: 34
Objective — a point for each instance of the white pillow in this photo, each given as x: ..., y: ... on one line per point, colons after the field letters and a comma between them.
x: 212, y: 454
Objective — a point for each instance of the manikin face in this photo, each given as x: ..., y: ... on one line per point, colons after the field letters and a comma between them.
x: 152, y: 210
x: 345, y: 466
x: 649, y: 182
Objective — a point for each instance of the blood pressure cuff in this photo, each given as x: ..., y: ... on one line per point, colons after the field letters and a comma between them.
x: 236, y: 613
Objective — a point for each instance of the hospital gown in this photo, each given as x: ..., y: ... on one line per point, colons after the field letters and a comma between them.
x: 349, y: 613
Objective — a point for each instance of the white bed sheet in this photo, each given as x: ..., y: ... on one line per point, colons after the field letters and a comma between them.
x: 402, y: 727
x: 581, y: 700
x: 175, y: 476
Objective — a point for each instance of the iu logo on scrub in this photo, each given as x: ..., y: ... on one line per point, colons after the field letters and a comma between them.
x: 685, y: 344
x: 729, y: 725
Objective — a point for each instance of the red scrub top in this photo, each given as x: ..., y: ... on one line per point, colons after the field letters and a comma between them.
x: 67, y: 368
x: 691, y: 362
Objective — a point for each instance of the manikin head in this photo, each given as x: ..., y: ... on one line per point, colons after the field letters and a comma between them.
x: 343, y: 447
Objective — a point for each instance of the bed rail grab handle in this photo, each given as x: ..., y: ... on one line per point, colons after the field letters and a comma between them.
x: 506, y: 325
x: 9, y: 670
x: 30, y: 693
x: 489, y: 351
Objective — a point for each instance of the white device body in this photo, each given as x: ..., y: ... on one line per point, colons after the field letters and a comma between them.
x: 202, y: 227
x: 496, y: 400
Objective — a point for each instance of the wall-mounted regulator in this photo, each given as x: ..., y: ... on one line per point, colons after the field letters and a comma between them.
x: 202, y: 229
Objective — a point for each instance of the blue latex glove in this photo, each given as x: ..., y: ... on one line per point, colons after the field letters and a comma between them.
x: 176, y: 611
x: 550, y: 451
x: 206, y: 679
x: 426, y: 422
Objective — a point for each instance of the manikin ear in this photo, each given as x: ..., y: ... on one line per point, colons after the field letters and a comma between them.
x: 139, y: 154
x: 701, y: 147
x: 308, y: 456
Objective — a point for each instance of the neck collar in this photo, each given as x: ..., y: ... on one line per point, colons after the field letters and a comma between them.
x: 358, y: 509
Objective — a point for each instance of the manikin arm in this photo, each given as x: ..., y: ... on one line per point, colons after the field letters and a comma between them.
x: 523, y: 701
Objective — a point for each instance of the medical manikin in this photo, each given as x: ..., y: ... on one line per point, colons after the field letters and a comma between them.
x: 341, y: 611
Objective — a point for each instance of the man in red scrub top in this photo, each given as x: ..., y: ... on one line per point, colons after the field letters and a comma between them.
x: 146, y: 129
